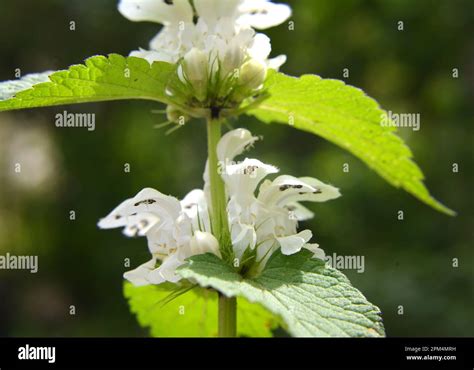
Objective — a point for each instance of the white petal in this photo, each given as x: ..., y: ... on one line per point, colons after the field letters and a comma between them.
x: 195, y: 65
x: 286, y: 189
x: 323, y: 193
x: 234, y: 143
x: 225, y: 27
x: 212, y: 10
x: 167, y: 271
x: 118, y: 217
x: 161, y: 239
x: 262, y: 14
x: 317, y: 252
x: 139, y: 276
x: 293, y: 243
x: 243, y: 208
x: 153, y: 56
x: 145, y: 205
x: 140, y: 224
x: 195, y: 206
x: 252, y: 74
x: 152, y: 201
x: 232, y: 59
x: 202, y: 243
x: 157, y: 11
x: 171, y: 39
x: 261, y: 47
x: 265, y: 250
x: 299, y: 212
x: 243, y: 237
x: 283, y: 188
x: 277, y: 62
x: 243, y: 178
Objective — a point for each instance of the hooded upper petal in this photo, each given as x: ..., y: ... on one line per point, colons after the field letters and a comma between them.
x: 159, y: 11
x: 148, y: 202
x: 243, y: 178
x: 212, y: 10
x: 286, y: 189
x: 263, y: 14
x: 234, y: 143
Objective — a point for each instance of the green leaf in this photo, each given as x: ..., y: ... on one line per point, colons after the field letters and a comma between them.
x: 100, y: 79
x: 347, y: 117
x: 192, y: 314
x: 313, y: 300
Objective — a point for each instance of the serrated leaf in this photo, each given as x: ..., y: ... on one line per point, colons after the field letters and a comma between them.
x: 192, y: 314
x: 100, y: 79
x: 347, y: 117
x: 313, y: 300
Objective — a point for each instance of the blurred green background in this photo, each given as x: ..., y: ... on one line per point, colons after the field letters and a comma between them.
x: 408, y: 263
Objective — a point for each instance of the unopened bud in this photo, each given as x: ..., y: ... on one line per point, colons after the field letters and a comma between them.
x: 252, y: 74
x: 203, y: 242
x: 196, y: 70
x: 232, y: 61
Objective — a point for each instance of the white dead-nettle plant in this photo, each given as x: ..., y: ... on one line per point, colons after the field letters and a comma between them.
x: 238, y: 235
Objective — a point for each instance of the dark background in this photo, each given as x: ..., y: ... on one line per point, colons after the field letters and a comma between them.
x: 408, y: 263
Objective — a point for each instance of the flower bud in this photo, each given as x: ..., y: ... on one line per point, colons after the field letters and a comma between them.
x: 203, y: 242
x: 232, y: 61
x: 252, y: 74
x: 196, y: 71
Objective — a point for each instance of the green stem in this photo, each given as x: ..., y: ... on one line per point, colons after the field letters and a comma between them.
x: 219, y: 222
x: 227, y: 316
x: 220, y: 227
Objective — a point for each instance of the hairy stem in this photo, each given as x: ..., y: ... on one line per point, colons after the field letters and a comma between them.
x: 227, y: 316
x: 220, y: 224
x: 220, y: 227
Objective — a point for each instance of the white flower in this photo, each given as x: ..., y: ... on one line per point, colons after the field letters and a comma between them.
x: 263, y: 215
x: 171, y: 227
x: 269, y: 220
x: 259, y: 14
x: 223, y: 32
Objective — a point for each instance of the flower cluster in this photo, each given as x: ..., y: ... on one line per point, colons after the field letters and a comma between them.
x: 263, y: 216
x: 222, y: 59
